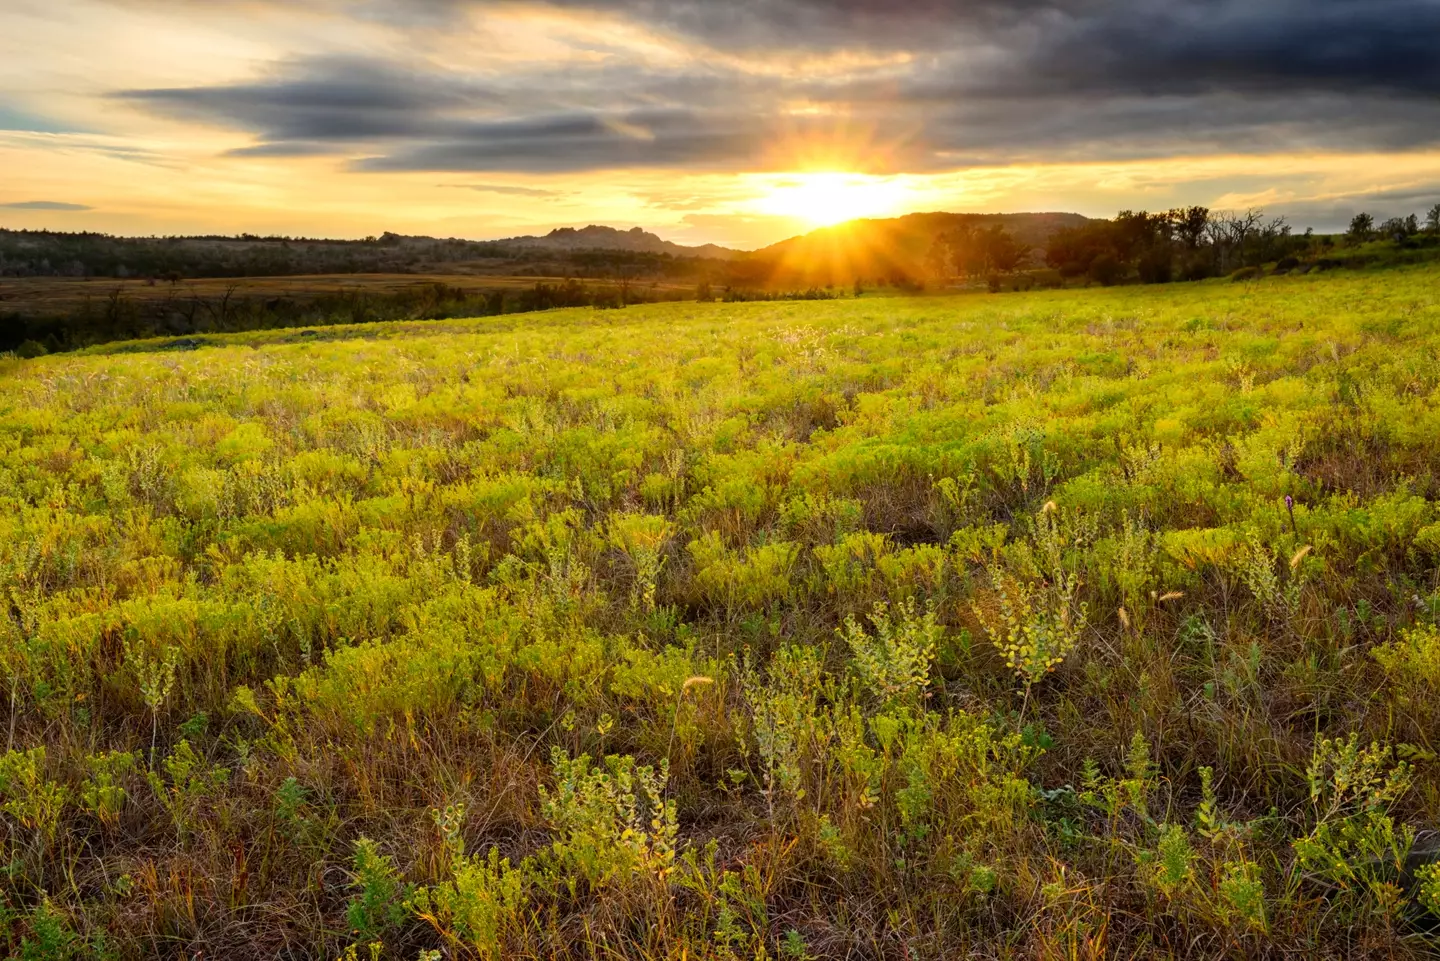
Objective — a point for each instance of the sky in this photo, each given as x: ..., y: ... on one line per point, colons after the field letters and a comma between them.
x: 739, y: 122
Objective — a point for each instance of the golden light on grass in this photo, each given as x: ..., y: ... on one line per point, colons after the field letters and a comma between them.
x: 823, y: 199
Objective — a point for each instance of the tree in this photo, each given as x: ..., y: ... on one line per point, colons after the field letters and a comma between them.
x: 1105, y: 270
x: 1399, y: 228
x: 1362, y: 226
x: 1002, y: 251
x: 1273, y: 241
x: 1432, y: 220
x: 967, y: 252
x: 939, y: 258
x: 1072, y: 250
x: 1189, y: 224
x: 1135, y: 233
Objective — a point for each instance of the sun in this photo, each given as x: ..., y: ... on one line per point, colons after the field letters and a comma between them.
x: 825, y: 199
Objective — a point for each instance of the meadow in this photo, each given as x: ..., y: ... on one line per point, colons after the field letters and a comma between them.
x: 1066, y: 624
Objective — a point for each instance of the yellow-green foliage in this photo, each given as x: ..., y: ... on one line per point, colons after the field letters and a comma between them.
x: 935, y: 627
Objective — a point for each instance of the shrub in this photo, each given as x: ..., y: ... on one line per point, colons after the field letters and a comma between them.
x: 894, y: 662
x: 29, y: 796
x: 1105, y: 270
x: 1039, y: 621
x: 1156, y: 267
x: 1354, y: 843
x: 614, y: 821
x: 782, y: 718
x: 1197, y: 268
x: 379, y: 904
x: 479, y: 907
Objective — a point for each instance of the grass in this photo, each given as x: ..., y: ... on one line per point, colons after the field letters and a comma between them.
x: 43, y: 296
x: 866, y: 628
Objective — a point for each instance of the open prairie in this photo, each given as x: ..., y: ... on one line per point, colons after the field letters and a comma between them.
x: 44, y: 296
x: 1082, y: 623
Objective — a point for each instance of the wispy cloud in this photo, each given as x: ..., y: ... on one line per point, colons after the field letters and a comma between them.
x: 45, y: 205
x: 507, y: 190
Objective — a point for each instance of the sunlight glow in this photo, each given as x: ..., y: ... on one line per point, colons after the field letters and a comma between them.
x: 824, y: 199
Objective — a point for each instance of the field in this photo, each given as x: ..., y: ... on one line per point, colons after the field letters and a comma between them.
x: 1073, y: 624
x: 46, y: 314
x: 46, y: 296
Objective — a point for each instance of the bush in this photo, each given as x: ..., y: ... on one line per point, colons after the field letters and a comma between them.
x: 1197, y: 268
x: 1246, y: 273
x: 29, y: 349
x: 1105, y: 270
x: 1048, y: 278
x: 1156, y: 267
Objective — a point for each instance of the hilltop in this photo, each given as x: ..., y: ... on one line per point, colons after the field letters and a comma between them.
x: 634, y: 240
x: 893, y: 247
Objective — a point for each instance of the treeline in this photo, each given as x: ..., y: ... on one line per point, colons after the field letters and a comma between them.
x: 50, y: 254
x: 120, y: 317
x: 744, y: 295
x: 1188, y: 243
x: 79, y: 255
x: 1185, y: 243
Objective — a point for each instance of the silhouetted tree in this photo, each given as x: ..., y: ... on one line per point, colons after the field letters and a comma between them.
x: 1189, y: 224
x: 1002, y: 251
x: 1400, y: 228
x: 1362, y: 227
x: 940, y: 258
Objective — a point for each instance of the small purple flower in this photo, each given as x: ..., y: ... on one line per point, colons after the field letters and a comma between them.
x: 1290, y: 506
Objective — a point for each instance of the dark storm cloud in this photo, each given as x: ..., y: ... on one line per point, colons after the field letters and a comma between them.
x: 576, y: 142
x: 1373, y: 46
x: 325, y: 99
x: 986, y: 81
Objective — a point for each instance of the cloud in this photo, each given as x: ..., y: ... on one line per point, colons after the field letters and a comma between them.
x: 45, y: 205
x: 18, y: 120
x: 1333, y: 212
x: 322, y: 99
x: 507, y: 190
x: 982, y: 82
x: 575, y: 142
x: 1339, y: 46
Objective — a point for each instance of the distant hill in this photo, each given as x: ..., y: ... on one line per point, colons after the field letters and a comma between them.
x: 874, y: 250
x: 634, y: 240
x: 886, y: 249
